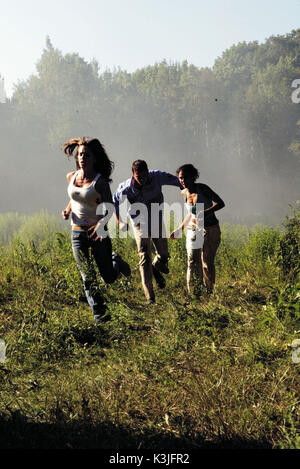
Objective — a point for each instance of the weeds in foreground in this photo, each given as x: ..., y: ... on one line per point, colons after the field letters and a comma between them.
x: 216, y: 371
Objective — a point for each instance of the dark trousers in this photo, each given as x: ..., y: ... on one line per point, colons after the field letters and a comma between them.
x: 83, y: 247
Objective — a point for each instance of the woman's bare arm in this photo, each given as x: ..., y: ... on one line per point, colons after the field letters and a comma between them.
x: 66, y: 212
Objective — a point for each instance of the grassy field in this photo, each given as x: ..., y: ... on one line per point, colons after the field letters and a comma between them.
x: 185, y: 373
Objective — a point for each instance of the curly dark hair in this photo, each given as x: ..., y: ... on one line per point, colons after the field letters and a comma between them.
x: 103, y: 164
x: 189, y: 169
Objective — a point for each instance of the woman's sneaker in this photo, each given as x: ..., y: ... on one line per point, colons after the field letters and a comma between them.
x: 123, y: 266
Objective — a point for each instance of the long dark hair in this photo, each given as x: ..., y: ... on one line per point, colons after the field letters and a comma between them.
x: 189, y: 169
x: 102, y: 163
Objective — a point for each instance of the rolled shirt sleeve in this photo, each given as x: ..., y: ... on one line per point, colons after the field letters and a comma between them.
x: 166, y: 179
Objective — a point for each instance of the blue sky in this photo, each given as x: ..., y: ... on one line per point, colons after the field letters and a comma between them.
x: 135, y: 33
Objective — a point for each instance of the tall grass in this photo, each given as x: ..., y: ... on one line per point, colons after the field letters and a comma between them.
x: 35, y: 228
x: 185, y: 373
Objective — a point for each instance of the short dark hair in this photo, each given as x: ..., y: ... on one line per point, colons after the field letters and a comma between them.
x: 189, y: 169
x: 139, y: 165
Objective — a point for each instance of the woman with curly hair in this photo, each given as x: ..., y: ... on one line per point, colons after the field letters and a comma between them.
x: 88, y: 187
x: 201, y: 255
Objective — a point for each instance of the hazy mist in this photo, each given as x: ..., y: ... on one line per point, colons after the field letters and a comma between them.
x: 239, y: 128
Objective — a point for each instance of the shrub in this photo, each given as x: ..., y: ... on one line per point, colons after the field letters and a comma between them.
x: 288, y: 257
x: 263, y: 244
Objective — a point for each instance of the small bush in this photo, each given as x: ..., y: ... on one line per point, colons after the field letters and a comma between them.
x: 288, y: 257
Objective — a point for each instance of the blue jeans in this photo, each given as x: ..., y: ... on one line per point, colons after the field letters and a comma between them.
x: 108, y: 268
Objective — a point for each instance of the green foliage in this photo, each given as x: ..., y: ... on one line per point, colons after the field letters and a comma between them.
x: 40, y: 228
x: 263, y: 244
x: 234, y: 120
x: 9, y: 226
x: 36, y: 229
x: 211, y: 372
x: 289, y: 255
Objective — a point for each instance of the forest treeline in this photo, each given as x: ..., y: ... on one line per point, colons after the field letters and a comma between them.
x: 235, y: 121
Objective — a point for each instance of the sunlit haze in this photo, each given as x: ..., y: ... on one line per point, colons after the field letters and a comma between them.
x: 207, y: 83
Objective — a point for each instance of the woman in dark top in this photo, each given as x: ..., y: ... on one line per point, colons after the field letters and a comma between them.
x: 203, y: 231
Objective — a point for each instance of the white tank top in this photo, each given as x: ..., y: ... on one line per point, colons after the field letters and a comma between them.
x: 84, y: 202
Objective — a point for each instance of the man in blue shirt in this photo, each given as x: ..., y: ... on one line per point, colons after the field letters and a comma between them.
x: 143, y: 191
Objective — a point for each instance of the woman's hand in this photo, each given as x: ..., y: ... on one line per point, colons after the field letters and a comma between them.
x: 65, y: 214
x: 92, y: 231
x: 176, y: 233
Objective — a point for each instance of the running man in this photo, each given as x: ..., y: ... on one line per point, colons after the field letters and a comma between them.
x: 145, y: 187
